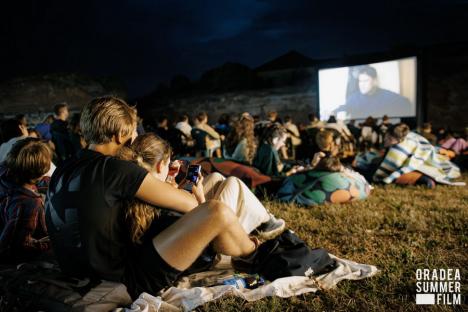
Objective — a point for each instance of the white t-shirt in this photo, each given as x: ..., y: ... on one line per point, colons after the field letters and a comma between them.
x: 185, y: 128
x: 5, y: 148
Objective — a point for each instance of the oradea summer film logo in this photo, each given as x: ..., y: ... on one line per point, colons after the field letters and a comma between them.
x: 438, y: 286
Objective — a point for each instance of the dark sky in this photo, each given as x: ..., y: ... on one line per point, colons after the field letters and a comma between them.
x: 148, y: 41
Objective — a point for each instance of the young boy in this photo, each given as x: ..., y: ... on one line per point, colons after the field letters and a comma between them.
x: 22, y: 218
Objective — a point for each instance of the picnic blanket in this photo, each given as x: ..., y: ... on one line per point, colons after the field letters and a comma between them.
x: 191, y: 293
x: 415, y: 153
x: 42, y: 287
x: 248, y: 174
x: 317, y: 187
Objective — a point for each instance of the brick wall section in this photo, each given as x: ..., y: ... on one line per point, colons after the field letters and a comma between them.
x: 297, y: 103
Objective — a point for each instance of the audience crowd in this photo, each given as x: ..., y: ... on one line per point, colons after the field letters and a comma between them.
x: 89, y: 190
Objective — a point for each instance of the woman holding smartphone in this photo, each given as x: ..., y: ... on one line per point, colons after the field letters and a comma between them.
x: 153, y: 153
x: 144, y: 221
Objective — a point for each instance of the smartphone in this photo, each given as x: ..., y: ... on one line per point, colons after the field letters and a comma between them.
x: 193, y: 174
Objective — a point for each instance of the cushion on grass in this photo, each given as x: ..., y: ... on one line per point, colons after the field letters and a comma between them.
x: 318, y: 187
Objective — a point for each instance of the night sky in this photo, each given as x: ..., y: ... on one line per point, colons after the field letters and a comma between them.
x: 145, y: 42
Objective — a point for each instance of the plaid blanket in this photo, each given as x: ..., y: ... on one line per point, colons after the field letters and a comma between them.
x: 415, y: 153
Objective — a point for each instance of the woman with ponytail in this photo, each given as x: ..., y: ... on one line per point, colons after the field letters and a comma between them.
x: 153, y: 153
x: 144, y: 221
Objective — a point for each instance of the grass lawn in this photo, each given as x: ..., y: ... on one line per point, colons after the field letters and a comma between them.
x: 397, y: 229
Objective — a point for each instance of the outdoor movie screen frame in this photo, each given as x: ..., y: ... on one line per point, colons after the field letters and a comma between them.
x: 375, y: 89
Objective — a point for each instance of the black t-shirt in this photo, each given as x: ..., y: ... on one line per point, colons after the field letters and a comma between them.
x: 59, y: 125
x: 85, y: 214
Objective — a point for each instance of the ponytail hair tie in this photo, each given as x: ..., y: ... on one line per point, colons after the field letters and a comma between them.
x: 139, y: 159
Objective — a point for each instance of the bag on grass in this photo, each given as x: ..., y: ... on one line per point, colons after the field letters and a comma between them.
x: 41, y: 286
x: 288, y: 255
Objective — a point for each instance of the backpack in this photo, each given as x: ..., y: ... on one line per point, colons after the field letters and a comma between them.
x: 288, y: 255
x: 41, y: 286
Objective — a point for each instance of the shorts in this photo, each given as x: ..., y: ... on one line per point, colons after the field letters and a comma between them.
x: 146, y: 271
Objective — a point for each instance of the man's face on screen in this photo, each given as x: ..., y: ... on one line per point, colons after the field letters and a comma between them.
x: 367, y: 84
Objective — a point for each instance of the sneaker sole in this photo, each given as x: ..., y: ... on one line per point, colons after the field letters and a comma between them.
x: 273, y: 233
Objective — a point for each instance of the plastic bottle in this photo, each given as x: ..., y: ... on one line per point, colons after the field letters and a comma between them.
x: 243, y: 281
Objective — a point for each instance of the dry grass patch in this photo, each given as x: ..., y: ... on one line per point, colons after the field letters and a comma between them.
x: 397, y: 229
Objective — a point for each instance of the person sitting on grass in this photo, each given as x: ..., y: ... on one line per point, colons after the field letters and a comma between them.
x: 44, y: 128
x: 59, y: 132
x: 213, y: 139
x: 12, y: 131
x: 267, y: 159
x: 88, y: 200
x: 453, y: 145
x: 411, y: 159
x: 22, y: 220
x: 153, y: 153
x: 241, y: 144
x: 326, y: 180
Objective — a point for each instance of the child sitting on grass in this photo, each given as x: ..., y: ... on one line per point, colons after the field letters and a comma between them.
x: 22, y: 220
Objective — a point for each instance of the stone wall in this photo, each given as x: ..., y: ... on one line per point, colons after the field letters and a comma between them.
x: 296, y: 102
x: 447, y: 90
x: 37, y: 94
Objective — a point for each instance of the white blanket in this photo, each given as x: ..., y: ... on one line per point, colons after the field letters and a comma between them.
x: 185, y: 297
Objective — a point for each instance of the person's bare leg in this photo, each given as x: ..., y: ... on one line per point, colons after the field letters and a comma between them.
x: 181, y: 243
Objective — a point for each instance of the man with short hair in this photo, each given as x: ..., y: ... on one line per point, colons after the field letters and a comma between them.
x: 371, y: 100
x: 59, y: 131
x: 214, y: 139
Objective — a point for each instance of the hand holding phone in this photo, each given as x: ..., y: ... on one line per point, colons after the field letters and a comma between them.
x: 194, y: 183
x: 193, y: 174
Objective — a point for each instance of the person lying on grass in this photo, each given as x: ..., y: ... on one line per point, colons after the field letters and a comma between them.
x: 87, y: 204
x: 411, y: 159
